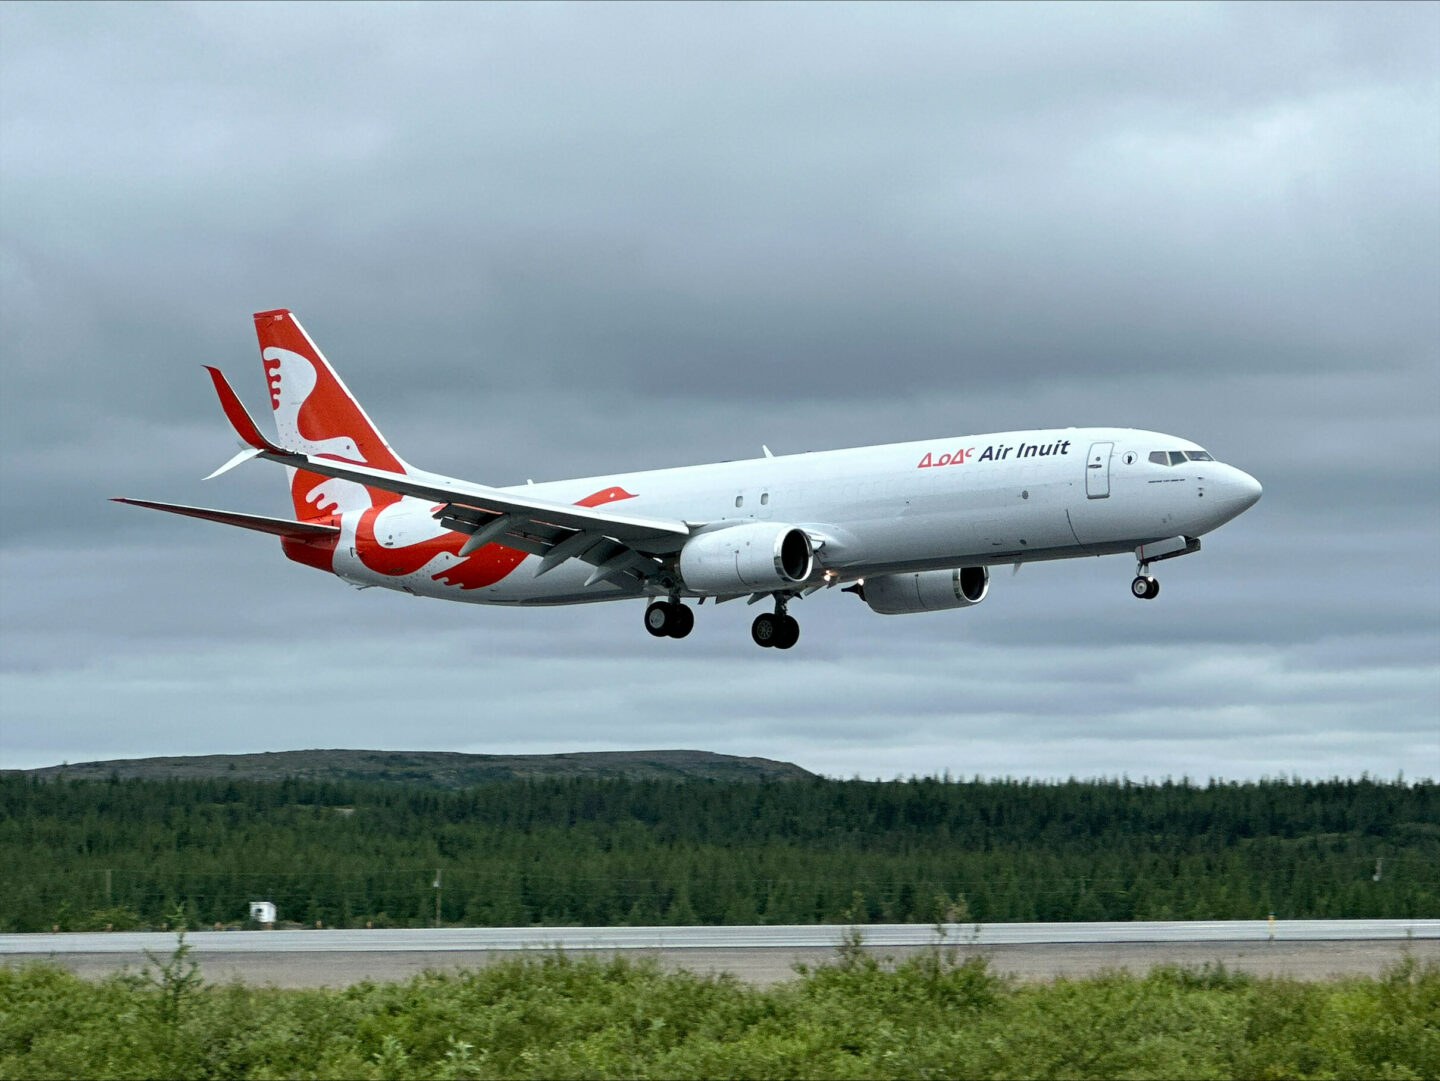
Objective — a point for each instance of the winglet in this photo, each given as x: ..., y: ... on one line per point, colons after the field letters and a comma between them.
x: 238, y: 417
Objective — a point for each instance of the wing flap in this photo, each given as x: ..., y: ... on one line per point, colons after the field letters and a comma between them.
x: 553, y: 544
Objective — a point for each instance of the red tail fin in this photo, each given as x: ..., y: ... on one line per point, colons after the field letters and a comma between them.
x: 316, y: 414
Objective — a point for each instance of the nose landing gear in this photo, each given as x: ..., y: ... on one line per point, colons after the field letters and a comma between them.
x: 1144, y: 587
x: 778, y: 631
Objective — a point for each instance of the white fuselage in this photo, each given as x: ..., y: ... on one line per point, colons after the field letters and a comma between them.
x: 977, y: 500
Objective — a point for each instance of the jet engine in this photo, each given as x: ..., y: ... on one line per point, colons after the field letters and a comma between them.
x: 926, y: 591
x: 747, y: 558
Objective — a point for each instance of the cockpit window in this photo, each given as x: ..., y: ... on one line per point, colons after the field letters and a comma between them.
x: 1179, y: 457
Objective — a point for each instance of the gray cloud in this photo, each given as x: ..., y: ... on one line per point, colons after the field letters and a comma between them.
x: 555, y: 241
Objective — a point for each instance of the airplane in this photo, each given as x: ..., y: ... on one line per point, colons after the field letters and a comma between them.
x: 907, y: 527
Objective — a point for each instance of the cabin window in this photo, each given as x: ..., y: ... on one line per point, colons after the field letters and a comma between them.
x: 764, y: 499
x: 739, y: 500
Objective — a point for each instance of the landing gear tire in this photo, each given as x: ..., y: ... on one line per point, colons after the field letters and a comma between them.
x: 684, y: 621
x: 669, y: 619
x: 764, y: 629
x: 1145, y: 588
x: 778, y: 631
x: 788, y: 633
x: 659, y: 619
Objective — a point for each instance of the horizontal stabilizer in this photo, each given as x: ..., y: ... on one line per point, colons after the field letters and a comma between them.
x: 280, y: 527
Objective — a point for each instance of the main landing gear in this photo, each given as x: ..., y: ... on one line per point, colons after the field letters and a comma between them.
x: 669, y: 619
x: 672, y: 619
x: 1145, y: 587
x: 780, y: 630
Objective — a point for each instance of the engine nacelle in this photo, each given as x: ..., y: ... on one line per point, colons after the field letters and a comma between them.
x: 747, y: 558
x: 927, y: 591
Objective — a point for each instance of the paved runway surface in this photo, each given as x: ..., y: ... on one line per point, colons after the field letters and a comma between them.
x: 799, y: 936
x: 1311, y: 949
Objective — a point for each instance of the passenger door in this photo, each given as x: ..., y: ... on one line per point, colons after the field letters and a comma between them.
x: 1097, y: 471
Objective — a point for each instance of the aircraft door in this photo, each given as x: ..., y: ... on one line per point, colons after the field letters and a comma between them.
x: 1097, y: 471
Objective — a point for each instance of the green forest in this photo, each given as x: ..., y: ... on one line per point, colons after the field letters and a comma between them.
x: 584, y: 851
x: 937, y: 1015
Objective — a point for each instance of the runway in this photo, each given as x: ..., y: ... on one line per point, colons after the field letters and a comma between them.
x: 1302, y: 948
x: 797, y: 936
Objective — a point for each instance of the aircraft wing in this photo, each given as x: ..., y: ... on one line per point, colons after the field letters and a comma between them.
x: 487, y: 514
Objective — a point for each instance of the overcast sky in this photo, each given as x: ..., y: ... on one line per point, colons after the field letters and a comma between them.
x: 547, y: 241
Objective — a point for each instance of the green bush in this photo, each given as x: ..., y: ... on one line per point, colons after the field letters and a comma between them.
x: 551, y: 1016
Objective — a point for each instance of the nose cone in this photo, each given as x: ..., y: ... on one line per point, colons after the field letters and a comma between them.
x: 1247, y: 490
x: 1234, y: 492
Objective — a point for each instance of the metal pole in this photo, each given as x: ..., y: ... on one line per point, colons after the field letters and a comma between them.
x: 107, y: 888
x: 437, y: 897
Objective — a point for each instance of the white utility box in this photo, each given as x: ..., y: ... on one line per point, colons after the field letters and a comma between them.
x: 262, y: 911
